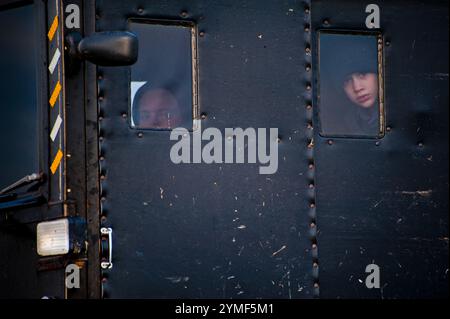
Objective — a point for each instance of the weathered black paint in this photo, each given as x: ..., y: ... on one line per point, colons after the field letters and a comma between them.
x: 174, y: 225
x: 387, y: 202
x: 384, y: 203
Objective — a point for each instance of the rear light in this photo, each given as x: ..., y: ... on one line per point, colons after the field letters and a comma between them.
x: 53, y: 238
x: 62, y: 236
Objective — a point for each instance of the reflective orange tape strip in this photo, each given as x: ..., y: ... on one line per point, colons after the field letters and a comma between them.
x: 53, y: 28
x: 56, y: 161
x: 55, y: 94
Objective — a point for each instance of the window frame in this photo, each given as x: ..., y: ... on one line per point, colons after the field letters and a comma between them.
x: 195, y: 112
x: 378, y: 34
x: 41, y: 90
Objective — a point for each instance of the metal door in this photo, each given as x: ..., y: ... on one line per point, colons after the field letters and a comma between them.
x: 385, y: 201
x: 213, y: 230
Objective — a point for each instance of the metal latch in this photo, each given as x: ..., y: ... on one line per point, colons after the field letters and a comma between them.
x: 107, y: 232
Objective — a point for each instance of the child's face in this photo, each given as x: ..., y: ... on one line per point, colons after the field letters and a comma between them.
x: 362, y: 88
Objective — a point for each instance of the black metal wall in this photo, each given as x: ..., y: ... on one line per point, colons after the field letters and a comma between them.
x: 386, y: 201
x: 178, y: 229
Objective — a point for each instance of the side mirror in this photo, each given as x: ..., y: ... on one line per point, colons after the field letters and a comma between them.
x: 108, y: 48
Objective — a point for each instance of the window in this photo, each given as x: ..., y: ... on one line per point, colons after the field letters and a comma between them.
x: 18, y: 94
x: 350, y: 93
x: 162, y: 85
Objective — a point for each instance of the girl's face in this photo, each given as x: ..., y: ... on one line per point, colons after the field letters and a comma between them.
x: 362, y: 88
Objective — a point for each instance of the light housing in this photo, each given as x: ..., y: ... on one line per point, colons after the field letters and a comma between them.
x: 60, y: 237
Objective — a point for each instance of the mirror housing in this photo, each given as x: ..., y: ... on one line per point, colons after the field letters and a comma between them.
x: 108, y: 48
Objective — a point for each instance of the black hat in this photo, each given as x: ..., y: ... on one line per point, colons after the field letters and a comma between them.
x: 344, y: 54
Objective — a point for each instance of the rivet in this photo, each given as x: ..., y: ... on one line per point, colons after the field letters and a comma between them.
x: 330, y: 142
x: 97, y: 16
x: 420, y: 144
x: 102, y: 158
x: 124, y: 115
x: 278, y: 140
x: 100, y: 77
x: 100, y: 138
x: 308, y: 106
x: 308, y: 68
x: 326, y: 22
x: 316, y: 285
x: 68, y: 155
x: 314, y: 246
x: 104, y: 280
x: 307, y: 10
x: 312, y: 225
x: 308, y: 49
x: 100, y: 118
x: 103, y: 198
x: 102, y: 177
x: 203, y: 116
x: 309, y: 126
x: 311, y: 166
x: 103, y: 219
x: 183, y: 14
x: 201, y: 33
x: 388, y: 43
x: 307, y: 28
x: 100, y: 98
x: 388, y: 128
x: 140, y: 134
x: 140, y: 10
x: 69, y: 190
x: 308, y: 87
x: 311, y: 186
x: 315, y: 265
x: 312, y: 205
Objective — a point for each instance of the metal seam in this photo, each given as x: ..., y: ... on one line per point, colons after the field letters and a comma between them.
x: 309, y: 129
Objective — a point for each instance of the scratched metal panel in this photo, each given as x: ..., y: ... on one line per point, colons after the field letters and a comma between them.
x: 179, y: 229
x: 388, y: 203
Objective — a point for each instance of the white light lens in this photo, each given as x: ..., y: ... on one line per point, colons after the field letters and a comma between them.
x: 53, y: 238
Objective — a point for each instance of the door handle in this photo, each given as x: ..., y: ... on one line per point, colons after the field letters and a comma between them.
x: 108, y: 233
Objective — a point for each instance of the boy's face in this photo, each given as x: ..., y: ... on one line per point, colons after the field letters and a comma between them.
x: 362, y: 88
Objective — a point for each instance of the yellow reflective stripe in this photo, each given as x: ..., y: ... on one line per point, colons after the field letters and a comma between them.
x: 55, y: 94
x: 53, y: 28
x: 56, y: 161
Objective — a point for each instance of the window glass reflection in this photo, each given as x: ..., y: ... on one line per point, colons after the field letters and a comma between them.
x: 161, y: 92
x: 349, y: 103
x: 18, y: 95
